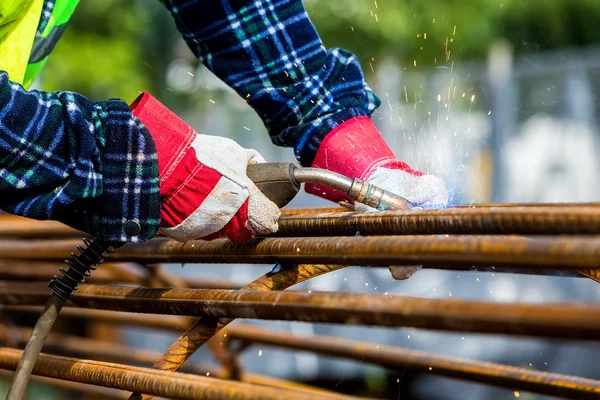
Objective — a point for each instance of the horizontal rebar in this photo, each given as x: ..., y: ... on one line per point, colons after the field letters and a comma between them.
x: 35, y: 271
x: 546, y: 320
x: 206, y: 327
x: 506, y: 376
x: 549, y: 220
x: 394, y: 358
x: 124, y: 273
x: 74, y: 346
x: 172, y: 385
x: 107, y: 273
x: 539, y: 252
x: 106, y: 393
x: 168, y: 322
x: 472, y: 220
x: 18, y: 227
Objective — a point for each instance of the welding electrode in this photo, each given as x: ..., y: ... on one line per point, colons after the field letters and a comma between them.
x: 280, y: 182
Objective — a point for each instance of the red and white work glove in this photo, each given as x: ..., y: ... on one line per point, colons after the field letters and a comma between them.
x: 357, y: 150
x: 204, y: 190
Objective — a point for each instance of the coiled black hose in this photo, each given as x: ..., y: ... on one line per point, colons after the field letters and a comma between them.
x: 80, y: 266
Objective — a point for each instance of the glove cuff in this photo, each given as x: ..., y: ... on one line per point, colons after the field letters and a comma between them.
x: 170, y: 133
x: 197, y: 200
x: 354, y: 149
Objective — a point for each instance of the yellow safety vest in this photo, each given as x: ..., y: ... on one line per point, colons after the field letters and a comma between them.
x: 19, y: 33
x: 22, y: 53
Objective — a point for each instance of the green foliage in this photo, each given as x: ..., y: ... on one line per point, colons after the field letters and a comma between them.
x: 99, y: 54
x: 551, y: 24
x: 397, y: 28
x: 117, y: 48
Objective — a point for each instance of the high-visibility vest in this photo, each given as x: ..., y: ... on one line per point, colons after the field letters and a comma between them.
x: 23, y: 54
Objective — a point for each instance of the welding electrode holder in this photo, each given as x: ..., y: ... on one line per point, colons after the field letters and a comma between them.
x: 280, y: 182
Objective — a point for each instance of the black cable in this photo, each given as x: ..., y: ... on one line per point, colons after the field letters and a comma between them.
x: 80, y: 266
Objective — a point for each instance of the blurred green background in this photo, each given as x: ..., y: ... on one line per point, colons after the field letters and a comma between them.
x: 116, y: 48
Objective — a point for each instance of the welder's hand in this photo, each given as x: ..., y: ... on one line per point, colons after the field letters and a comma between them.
x: 204, y: 190
x: 357, y: 150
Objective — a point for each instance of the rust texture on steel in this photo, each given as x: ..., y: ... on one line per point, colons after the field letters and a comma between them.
x: 207, y: 327
x: 394, y: 358
x: 545, y: 320
x: 400, y: 358
x: 73, y: 346
x: 538, y: 252
x: 173, y: 385
x: 224, y: 354
x: 168, y: 322
x: 109, y: 273
x: 19, y: 227
x: 472, y: 221
x: 104, y: 393
x: 36, y: 271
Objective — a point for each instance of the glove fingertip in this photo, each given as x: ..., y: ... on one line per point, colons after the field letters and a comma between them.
x: 263, y: 214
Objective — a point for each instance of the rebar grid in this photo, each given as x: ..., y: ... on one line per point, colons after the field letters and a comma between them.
x: 173, y: 385
x: 560, y: 238
x: 510, y: 251
x: 557, y: 321
x: 394, y: 358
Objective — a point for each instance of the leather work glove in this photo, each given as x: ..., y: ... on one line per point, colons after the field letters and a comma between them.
x: 357, y: 150
x: 204, y: 190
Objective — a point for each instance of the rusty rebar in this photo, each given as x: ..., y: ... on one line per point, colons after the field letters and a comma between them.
x: 545, y: 320
x: 394, y: 358
x: 107, y: 273
x: 168, y: 322
x: 106, y: 393
x: 18, y: 227
x: 43, y: 271
x: 73, y: 346
x: 539, y: 252
x: 124, y: 273
x: 173, y: 385
x: 399, y: 358
x: 473, y: 221
x: 222, y: 352
x: 207, y: 327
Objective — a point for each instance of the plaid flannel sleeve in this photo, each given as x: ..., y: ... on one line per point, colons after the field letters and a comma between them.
x: 90, y: 165
x: 271, y: 54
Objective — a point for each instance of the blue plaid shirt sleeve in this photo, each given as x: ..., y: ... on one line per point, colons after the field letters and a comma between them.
x: 271, y: 54
x: 90, y: 165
